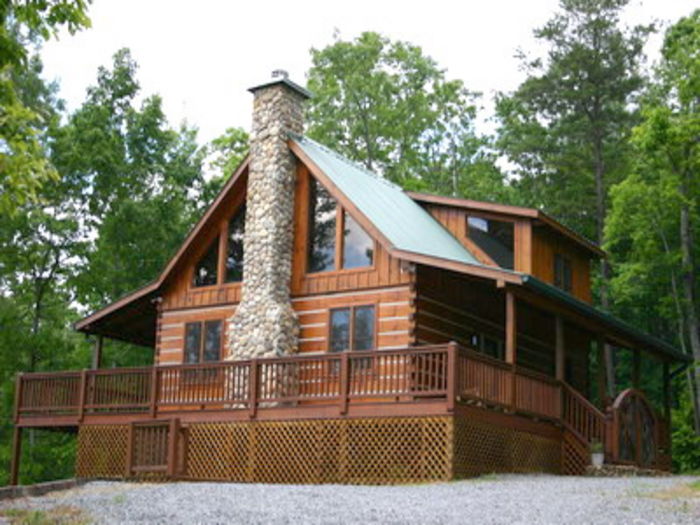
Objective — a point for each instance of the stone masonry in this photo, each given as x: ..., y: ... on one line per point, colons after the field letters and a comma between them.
x: 265, y: 324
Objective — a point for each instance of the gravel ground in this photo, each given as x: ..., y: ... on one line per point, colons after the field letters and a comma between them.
x: 507, y: 499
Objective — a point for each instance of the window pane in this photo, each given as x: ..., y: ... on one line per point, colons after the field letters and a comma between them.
x: 193, y: 338
x: 234, y: 250
x: 340, y: 330
x: 212, y: 340
x: 358, y: 247
x: 205, y: 271
x: 562, y: 272
x: 322, y: 207
x: 495, y: 238
x: 363, y: 338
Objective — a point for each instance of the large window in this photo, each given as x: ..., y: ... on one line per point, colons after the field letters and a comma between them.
x: 322, y: 224
x: 234, y: 247
x: 203, y: 341
x: 562, y: 272
x: 358, y: 246
x: 494, y: 237
x: 336, y: 240
x: 352, y: 328
x: 205, y: 273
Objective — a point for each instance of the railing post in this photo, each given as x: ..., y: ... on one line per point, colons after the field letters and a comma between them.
x: 253, y: 388
x: 18, y: 396
x: 154, y: 391
x: 513, y: 388
x: 82, y: 395
x: 451, y: 375
x: 344, y: 382
x: 173, y: 434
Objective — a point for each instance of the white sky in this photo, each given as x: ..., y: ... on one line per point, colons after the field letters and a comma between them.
x: 201, y: 56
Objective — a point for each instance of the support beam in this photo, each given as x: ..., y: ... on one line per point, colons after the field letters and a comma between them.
x: 609, y: 360
x: 560, y: 352
x: 16, y: 455
x: 636, y: 368
x: 666, y: 392
x: 97, y: 353
x: 600, y: 373
x: 511, y: 329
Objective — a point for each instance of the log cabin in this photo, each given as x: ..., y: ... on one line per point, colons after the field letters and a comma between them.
x: 321, y: 325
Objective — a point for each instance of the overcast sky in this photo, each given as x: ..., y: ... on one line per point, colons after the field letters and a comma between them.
x: 201, y: 56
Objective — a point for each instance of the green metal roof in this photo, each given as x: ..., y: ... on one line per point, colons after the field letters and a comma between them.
x: 405, y: 224
x: 627, y: 329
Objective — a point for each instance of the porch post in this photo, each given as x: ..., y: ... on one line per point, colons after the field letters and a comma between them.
x: 667, y: 393
x: 16, y: 455
x: 602, y: 390
x: 97, y: 353
x: 511, y: 345
x: 511, y: 329
x: 636, y: 367
x: 560, y: 352
x: 609, y: 360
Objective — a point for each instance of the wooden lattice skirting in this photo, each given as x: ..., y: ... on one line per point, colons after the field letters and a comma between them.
x: 387, y: 450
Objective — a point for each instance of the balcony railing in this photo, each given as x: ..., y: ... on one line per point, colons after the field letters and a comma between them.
x: 444, y: 375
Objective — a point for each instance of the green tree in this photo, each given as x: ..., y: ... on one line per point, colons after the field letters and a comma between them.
x: 224, y: 155
x: 143, y: 177
x: 24, y: 165
x: 389, y: 107
x: 566, y: 127
x: 655, y: 243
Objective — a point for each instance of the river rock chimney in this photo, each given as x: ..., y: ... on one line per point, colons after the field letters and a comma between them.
x: 265, y: 323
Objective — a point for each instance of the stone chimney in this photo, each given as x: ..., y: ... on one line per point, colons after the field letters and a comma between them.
x: 265, y: 324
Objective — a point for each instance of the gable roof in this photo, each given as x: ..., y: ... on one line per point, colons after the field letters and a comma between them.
x: 402, y: 222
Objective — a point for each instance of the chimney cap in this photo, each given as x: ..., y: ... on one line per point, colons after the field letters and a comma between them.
x: 280, y: 76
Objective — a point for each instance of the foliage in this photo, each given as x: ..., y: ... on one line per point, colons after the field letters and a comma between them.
x: 142, y: 176
x: 686, y: 442
x: 24, y: 165
x: 565, y: 128
x: 389, y: 107
x: 224, y: 154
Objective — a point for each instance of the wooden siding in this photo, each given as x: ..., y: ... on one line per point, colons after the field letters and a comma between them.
x: 393, y: 320
x: 534, y: 247
x: 544, y: 245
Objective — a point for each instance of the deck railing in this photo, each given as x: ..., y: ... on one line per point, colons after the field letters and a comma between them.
x: 404, y: 375
x: 444, y: 372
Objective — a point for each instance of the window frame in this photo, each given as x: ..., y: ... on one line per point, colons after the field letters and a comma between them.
x: 339, y: 247
x: 481, y: 253
x: 351, y: 339
x: 222, y: 238
x: 202, y: 341
x: 566, y: 264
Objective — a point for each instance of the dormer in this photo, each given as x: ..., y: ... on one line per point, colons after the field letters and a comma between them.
x: 520, y: 239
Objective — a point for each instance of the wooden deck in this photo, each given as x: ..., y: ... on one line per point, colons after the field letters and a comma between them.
x: 418, y: 381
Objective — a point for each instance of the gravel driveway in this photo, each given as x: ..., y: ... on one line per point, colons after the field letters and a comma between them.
x: 493, y: 499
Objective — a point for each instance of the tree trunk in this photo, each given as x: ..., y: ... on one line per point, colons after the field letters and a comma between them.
x: 688, y: 283
x: 604, y: 265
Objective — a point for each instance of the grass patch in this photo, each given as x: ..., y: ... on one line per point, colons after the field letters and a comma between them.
x: 61, y: 515
x: 686, y: 491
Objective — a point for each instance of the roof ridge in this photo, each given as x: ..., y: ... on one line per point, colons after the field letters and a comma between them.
x: 343, y: 158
